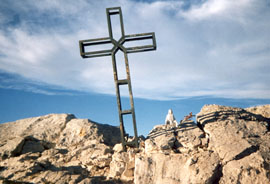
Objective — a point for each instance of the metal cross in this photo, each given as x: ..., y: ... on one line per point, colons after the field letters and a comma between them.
x: 116, y: 46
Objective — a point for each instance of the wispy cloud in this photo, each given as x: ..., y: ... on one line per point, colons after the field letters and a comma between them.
x: 218, y: 8
x: 14, y: 81
x: 214, y: 48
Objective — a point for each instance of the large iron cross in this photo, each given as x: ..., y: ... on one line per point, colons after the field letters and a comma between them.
x: 116, y: 46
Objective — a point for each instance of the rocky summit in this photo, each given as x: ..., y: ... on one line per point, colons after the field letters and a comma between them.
x: 224, y: 145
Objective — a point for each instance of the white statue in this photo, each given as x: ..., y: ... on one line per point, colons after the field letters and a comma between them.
x: 170, y: 119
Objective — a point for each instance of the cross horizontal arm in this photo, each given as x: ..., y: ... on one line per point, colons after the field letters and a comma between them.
x: 143, y: 48
x: 92, y: 42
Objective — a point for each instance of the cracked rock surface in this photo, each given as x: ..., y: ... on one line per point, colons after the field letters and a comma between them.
x: 241, y: 138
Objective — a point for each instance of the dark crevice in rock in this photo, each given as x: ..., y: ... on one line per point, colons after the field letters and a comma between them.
x: 201, y: 126
x: 247, y: 152
x: 3, y: 143
x: 217, y: 175
x: 238, y: 177
x: 80, y: 178
x: 266, y: 166
x: 175, y: 133
x: 2, y: 168
x: 175, y: 143
x: 4, y: 156
x: 205, y: 134
x: 268, y: 126
x: 62, y: 151
x: 208, y: 139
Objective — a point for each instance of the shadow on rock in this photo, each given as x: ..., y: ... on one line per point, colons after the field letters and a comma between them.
x: 186, y: 126
x: 223, y: 115
x: 111, y: 134
x: 6, y: 181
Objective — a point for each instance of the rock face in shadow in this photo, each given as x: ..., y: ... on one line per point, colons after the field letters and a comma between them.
x: 225, y: 145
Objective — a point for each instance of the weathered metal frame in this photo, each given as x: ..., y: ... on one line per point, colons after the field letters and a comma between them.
x: 119, y: 45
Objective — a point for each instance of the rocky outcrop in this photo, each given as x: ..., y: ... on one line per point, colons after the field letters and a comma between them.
x: 263, y: 110
x: 56, y: 148
x: 224, y: 145
x: 227, y: 145
x: 177, y: 155
x: 241, y: 138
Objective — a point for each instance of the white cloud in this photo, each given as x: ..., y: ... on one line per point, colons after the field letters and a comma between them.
x: 213, y: 8
x: 218, y: 48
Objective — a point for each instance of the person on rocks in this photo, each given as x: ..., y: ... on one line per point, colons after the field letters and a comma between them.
x: 170, y: 119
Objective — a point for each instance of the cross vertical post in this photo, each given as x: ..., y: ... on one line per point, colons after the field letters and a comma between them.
x: 116, y: 46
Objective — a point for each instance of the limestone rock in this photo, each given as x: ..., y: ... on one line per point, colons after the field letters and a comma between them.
x: 191, y: 137
x: 245, y: 170
x: 263, y: 110
x: 239, y: 137
x: 227, y: 145
x: 56, y: 148
x: 11, y: 147
x: 122, y: 165
x: 118, y: 148
x: 176, y: 168
x: 187, y: 136
x: 172, y: 156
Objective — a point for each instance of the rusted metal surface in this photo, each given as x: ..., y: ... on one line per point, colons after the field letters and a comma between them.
x: 116, y: 46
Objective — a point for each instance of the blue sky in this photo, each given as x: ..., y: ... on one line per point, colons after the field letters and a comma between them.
x: 210, y: 51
